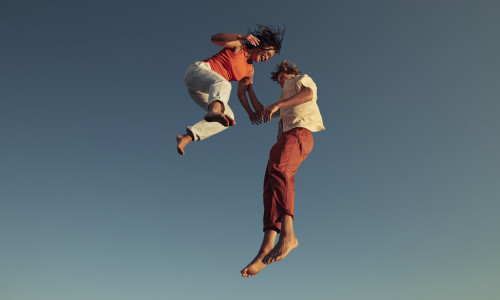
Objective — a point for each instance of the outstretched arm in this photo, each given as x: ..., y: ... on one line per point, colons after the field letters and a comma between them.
x: 244, y: 86
x: 233, y: 41
x: 305, y: 95
x: 259, y: 108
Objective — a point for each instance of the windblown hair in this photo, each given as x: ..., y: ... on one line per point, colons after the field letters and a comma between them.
x: 287, y: 67
x: 269, y: 36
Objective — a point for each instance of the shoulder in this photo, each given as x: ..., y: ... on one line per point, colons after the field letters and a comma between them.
x: 305, y: 80
x: 239, y: 48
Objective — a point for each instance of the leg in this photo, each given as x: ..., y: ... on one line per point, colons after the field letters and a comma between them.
x: 204, y: 129
x: 216, y: 114
x: 182, y: 141
x: 286, y: 243
x: 279, y: 189
x: 257, y: 265
x: 206, y: 87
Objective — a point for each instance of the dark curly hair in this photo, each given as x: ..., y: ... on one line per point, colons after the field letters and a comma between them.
x: 269, y: 36
x: 287, y: 67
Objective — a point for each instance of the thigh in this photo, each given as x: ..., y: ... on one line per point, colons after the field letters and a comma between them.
x: 199, y: 98
x: 291, y: 150
x: 205, y: 85
x: 283, y: 151
x: 199, y: 77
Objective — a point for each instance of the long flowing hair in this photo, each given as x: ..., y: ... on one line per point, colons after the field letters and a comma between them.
x: 269, y: 36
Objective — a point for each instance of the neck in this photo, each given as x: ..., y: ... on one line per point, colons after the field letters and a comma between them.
x: 248, y: 56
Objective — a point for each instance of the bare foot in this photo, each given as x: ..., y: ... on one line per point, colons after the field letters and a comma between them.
x: 255, y: 266
x: 281, y: 250
x: 221, y: 118
x: 182, y: 141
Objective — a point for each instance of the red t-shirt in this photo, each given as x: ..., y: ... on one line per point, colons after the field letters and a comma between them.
x: 230, y: 65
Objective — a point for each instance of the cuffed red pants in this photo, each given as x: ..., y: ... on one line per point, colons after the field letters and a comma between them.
x: 285, y: 157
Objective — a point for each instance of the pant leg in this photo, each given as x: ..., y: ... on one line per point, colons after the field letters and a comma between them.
x: 285, y: 157
x: 204, y: 129
x: 205, y: 86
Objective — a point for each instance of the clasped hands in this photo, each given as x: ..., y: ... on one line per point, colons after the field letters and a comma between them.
x: 265, y: 115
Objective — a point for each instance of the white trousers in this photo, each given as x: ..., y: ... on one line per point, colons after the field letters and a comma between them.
x: 204, y: 86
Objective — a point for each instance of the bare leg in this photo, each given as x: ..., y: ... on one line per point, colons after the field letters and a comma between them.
x: 182, y: 141
x: 286, y: 243
x: 257, y: 265
x: 215, y: 114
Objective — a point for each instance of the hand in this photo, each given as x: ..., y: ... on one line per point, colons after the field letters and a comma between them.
x: 255, y: 118
x: 268, y: 112
x: 252, y: 39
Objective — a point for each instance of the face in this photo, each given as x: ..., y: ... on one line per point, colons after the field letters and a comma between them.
x: 282, y: 77
x: 261, y: 55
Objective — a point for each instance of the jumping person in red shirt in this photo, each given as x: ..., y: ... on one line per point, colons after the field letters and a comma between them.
x: 208, y: 81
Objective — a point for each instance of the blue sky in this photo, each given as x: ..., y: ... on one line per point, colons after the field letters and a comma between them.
x: 398, y: 200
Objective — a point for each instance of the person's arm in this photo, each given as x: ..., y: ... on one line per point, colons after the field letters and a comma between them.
x: 259, y: 108
x: 243, y: 87
x: 233, y: 41
x: 305, y: 95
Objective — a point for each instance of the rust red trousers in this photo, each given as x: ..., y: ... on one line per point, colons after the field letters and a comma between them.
x: 285, y: 157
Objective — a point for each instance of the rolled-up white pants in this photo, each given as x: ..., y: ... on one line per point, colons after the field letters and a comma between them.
x: 204, y: 86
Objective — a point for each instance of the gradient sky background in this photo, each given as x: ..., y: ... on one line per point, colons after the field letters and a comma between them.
x: 399, y: 199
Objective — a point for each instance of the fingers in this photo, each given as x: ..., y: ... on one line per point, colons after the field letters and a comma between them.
x: 256, y: 121
x: 266, y: 116
x: 255, y: 118
x: 253, y: 40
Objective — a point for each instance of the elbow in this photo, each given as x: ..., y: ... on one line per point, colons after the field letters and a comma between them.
x: 309, y: 94
x: 245, y: 82
x: 241, y: 92
x: 215, y: 39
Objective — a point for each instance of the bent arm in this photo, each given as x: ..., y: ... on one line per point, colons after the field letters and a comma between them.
x: 244, y: 86
x: 259, y: 108
x: 233, y: 41
x: 305, y: 95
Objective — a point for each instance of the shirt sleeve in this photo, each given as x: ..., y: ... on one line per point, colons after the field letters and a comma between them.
x: 306, y: 81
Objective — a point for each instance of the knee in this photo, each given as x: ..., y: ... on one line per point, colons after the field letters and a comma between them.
x: 226, y: 85
x: 222, y: 89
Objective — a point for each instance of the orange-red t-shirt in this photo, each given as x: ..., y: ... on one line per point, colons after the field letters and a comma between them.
x: 232, y: 66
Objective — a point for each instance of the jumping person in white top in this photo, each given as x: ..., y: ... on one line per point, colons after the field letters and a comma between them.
x: 299, y: 116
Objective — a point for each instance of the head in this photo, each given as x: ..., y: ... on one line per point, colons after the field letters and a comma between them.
x: 261, y: 55
x: 284, y: 71
x: 270, y: 43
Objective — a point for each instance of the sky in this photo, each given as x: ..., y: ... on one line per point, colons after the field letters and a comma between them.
x: 399, y: 199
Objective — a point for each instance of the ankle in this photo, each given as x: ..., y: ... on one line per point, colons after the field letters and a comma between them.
x: 287, y: 236
x: 264, y: 251
x: 186, y: 137
x: 216, y: 107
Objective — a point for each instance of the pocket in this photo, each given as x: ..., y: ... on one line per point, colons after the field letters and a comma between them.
x: 306, y: 143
